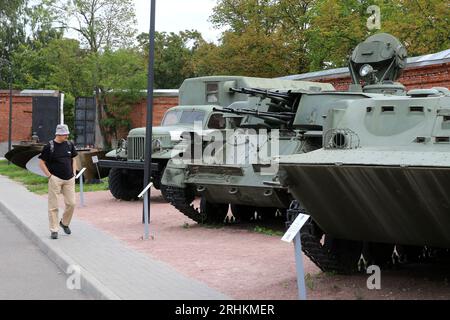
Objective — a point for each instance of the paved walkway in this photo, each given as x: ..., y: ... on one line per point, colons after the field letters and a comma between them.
x: 109, y: 270
x: 26, y: 272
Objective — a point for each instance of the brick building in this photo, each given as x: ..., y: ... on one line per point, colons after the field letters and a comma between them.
x: 163, y: 100
x: 24, y: 121
x: 21, y: 118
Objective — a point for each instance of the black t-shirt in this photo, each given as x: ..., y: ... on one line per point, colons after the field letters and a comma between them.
x: 59, y: 163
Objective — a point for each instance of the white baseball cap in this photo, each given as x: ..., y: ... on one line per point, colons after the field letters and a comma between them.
x: 62, y: 129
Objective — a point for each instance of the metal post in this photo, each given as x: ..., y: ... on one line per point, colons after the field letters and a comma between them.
x: 98, y: 172
x: 146, y: 194
x: 10, y: 104
x: 146, y: 216
x: 80, y: 175
x: 148, y: 132
x: 299, y: 266
x: 61, y: 108
x: 81, y: 191
x: 293, y: 233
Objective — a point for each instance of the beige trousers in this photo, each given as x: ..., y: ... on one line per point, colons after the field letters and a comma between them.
x: 58, y: 186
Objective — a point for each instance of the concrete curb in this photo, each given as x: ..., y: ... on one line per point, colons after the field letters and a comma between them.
x: 89, y: 284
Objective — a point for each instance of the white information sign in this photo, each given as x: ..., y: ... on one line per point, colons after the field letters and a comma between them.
x: 295, y: 227
x: 94, y: 159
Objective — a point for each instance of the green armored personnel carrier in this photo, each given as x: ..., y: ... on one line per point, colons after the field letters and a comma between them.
x: 382, y: 179
x: 238, y: 173
x: 197, y: 98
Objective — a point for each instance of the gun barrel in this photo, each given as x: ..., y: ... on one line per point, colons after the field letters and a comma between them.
x: 263, y: 92
x: 271, y: 116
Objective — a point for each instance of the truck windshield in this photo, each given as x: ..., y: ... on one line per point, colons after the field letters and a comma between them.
x: 182, y: 116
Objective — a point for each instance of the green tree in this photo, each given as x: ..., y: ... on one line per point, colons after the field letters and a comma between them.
x: 12, y: 34
x: 422, y: 25
x: 122, y: 78
x: 336, y: 28
x: 58, y: 65
x: 318, y: 34
x: 103, y: 25
x: 173, y: 56
x: 252, y: 53
x: 264, y: 38
x: 23, y: 23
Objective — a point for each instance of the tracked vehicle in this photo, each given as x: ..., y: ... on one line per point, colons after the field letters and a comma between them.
x: 380, y: 185
x: 238, y: 173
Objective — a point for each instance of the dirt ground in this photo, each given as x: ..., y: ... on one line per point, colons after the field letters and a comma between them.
x: 245, y: 264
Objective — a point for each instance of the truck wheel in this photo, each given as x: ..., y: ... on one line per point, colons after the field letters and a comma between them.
x: 125, y: 184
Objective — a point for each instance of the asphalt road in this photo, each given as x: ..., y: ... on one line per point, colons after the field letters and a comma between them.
x: 25, y: 272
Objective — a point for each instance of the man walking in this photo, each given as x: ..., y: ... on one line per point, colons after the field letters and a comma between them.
x: 57, y: 161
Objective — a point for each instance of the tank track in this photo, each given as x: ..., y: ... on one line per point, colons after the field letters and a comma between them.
x: 311, y: 237
x: 181, y: 198
x: 318, y: 254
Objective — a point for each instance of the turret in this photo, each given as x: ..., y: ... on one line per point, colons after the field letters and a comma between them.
x: 376, y: 63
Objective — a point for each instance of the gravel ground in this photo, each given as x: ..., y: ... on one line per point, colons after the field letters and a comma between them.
x: 245, y: 264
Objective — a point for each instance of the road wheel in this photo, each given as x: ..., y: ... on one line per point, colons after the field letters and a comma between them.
x: 215, y: 212
x: 243, y: 213
x: 346, y: 253
x: 267, y: 213
x: 379, y: 254
x: 125, y: 184
x: 410, y: 254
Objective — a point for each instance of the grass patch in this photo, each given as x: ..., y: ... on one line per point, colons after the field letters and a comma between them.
x: 38, y: 184
x: 268, y: 232
x: 309, y: 281
x: 94, y: 187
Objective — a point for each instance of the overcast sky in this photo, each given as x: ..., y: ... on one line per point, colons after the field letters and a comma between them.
x: 178, y: 15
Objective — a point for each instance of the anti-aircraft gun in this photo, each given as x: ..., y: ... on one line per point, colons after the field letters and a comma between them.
x: 237, y: 172
x: 281, y: 109
x: 379, y: 181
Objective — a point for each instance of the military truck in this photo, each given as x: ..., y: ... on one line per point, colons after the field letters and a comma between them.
x: 248, y: 185
x: 381, y: 180
x: 197, y: 99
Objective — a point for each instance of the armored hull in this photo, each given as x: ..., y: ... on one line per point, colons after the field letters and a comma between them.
x: 386, y: 196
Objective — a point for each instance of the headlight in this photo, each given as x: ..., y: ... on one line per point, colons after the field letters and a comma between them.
x: 365, y: 70
x: 156, y: 145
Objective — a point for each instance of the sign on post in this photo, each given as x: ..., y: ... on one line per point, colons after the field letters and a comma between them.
x: 80, y: 176
x: 95, y: 161
x: 146, y: 222
x: 295, y: 227
x: 294, y: 233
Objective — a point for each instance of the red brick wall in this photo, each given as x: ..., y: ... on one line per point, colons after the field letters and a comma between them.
x: 138, y: 115
x: 437, y: 75
x: 21, y: 117
x: 160, y: 106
